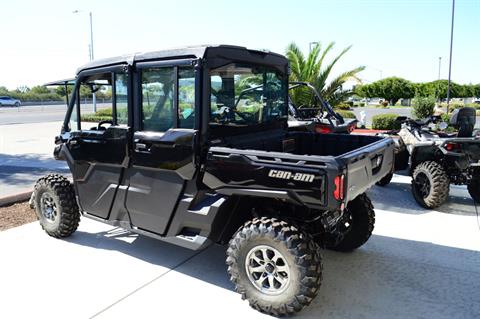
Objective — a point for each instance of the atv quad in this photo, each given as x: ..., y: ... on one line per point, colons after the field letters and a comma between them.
x: 438, y: 159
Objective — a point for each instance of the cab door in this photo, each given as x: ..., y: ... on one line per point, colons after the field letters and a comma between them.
x: 163, y: 142
x: 97, y: 143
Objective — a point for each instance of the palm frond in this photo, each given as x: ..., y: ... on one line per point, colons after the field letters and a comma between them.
x: 311, y: 69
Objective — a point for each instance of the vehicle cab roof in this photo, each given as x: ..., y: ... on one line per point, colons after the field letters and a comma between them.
x: 192, y: 52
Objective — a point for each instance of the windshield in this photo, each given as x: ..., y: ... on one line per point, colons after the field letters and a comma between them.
x: 246, y: 94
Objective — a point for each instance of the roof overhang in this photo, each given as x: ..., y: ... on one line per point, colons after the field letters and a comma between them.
x: 61, y: 82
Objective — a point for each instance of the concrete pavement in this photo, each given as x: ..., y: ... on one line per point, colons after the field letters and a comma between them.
x: 418, y: 264
x: 40, y: 113
x: 26, y: 154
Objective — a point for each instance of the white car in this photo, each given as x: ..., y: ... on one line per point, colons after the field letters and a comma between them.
x: 6, y: 100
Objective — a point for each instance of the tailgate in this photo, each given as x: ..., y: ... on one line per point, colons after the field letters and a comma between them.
x: 297, y: 178
x: 367, y: 165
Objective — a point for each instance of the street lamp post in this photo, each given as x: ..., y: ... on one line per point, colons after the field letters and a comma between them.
x: 439, y: 66
x: 450, y: 62
x: 90, y: 52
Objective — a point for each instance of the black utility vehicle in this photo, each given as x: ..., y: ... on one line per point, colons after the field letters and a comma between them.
x: 191, y: 156
x: 318, y: 116
x: 438, y: 159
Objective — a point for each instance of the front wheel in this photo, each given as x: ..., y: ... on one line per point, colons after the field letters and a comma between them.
x: 474, y: 189
x: 275, y: 266
x: 358, y: 225
x: 430, y: 184
x: 55, y: 205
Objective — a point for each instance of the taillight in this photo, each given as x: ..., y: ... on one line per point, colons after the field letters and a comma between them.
x: 338, y: 192
x: 452, y: 147
x: 323, y: 129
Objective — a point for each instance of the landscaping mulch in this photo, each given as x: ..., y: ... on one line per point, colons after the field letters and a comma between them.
x: 16, y: 215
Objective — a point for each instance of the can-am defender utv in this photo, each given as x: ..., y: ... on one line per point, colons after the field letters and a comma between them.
x: 438, y: 159
x: 186, y: 158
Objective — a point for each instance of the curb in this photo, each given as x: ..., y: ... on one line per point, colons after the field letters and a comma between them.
x: 16, y: 198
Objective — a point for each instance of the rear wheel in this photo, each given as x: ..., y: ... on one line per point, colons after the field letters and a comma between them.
x: 17, y: 104
x: 430, y: 184
x: 358, y: 225
x: 385, y: 180
x: 474, y: 189
x: 274, y: 265
x: 55, y: 205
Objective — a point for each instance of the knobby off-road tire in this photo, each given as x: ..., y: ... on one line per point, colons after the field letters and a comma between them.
x: 359, y: 224
x: 474, y: 189
x: 55, y: 205
x: 430, y: 184
x: 385, y: 180
x: 275, y: 266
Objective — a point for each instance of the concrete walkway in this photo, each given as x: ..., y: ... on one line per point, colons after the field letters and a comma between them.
x: 418, y: 264
x: 26, y: 154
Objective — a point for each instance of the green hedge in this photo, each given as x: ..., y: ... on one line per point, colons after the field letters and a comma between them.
x: 346, y: 114
x: 343, y: 106
x: 100, y: 115
x: 385, y: 122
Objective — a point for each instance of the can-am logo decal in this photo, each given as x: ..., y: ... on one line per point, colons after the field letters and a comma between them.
x: 291, y: 176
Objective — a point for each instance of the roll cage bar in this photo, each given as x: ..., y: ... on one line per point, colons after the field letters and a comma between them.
x: 325, y: 106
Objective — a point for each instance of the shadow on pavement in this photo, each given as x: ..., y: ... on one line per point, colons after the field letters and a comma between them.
x: 27, y: 168
x: 398, y: 196
x: 387, y: 277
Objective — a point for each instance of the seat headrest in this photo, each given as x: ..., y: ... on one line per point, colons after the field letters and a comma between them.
x: 464, y: 120
x: 463, y: 116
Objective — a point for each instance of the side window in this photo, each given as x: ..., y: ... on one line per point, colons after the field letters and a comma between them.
x: 97, y: 97
x: 158, y: 87
x: 121, y: 97
x: 186, y: 98
x: 96, y: 100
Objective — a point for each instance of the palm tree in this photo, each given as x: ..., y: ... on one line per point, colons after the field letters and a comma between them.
x: 312, y: 69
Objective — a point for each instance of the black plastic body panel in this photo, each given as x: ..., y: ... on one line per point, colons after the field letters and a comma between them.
x: 97, y: 160
x: 160, y: 165
x: 248, y: 172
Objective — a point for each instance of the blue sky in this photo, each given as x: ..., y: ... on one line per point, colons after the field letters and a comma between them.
x: 44, y: 41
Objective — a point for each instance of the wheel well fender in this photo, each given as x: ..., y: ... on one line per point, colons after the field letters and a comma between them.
x: 421, y: 154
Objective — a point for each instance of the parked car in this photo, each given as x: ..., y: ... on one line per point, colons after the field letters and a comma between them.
x: 9, y: 101
x: 221, y: 167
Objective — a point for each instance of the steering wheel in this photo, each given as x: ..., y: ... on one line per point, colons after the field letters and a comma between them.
x: 100, y: 127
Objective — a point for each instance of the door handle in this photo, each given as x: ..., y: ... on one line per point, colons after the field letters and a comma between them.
x: 141, y: 147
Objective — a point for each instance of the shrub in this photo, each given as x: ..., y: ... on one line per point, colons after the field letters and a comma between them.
x: 384, y: 103
x: 104, y: 112
x: 346, y: 114
x: 423, y: 106
x: 350, y: 103
x: 445, y: 117
x: 100, y: 115
x: 385, y: 122
x: 343, y: 106
x: 454, y: 106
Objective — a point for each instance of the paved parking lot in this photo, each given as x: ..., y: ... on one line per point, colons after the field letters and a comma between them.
x: 418, y: 264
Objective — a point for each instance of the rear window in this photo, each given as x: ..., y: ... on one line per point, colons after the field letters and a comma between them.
x: 242, y: 94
